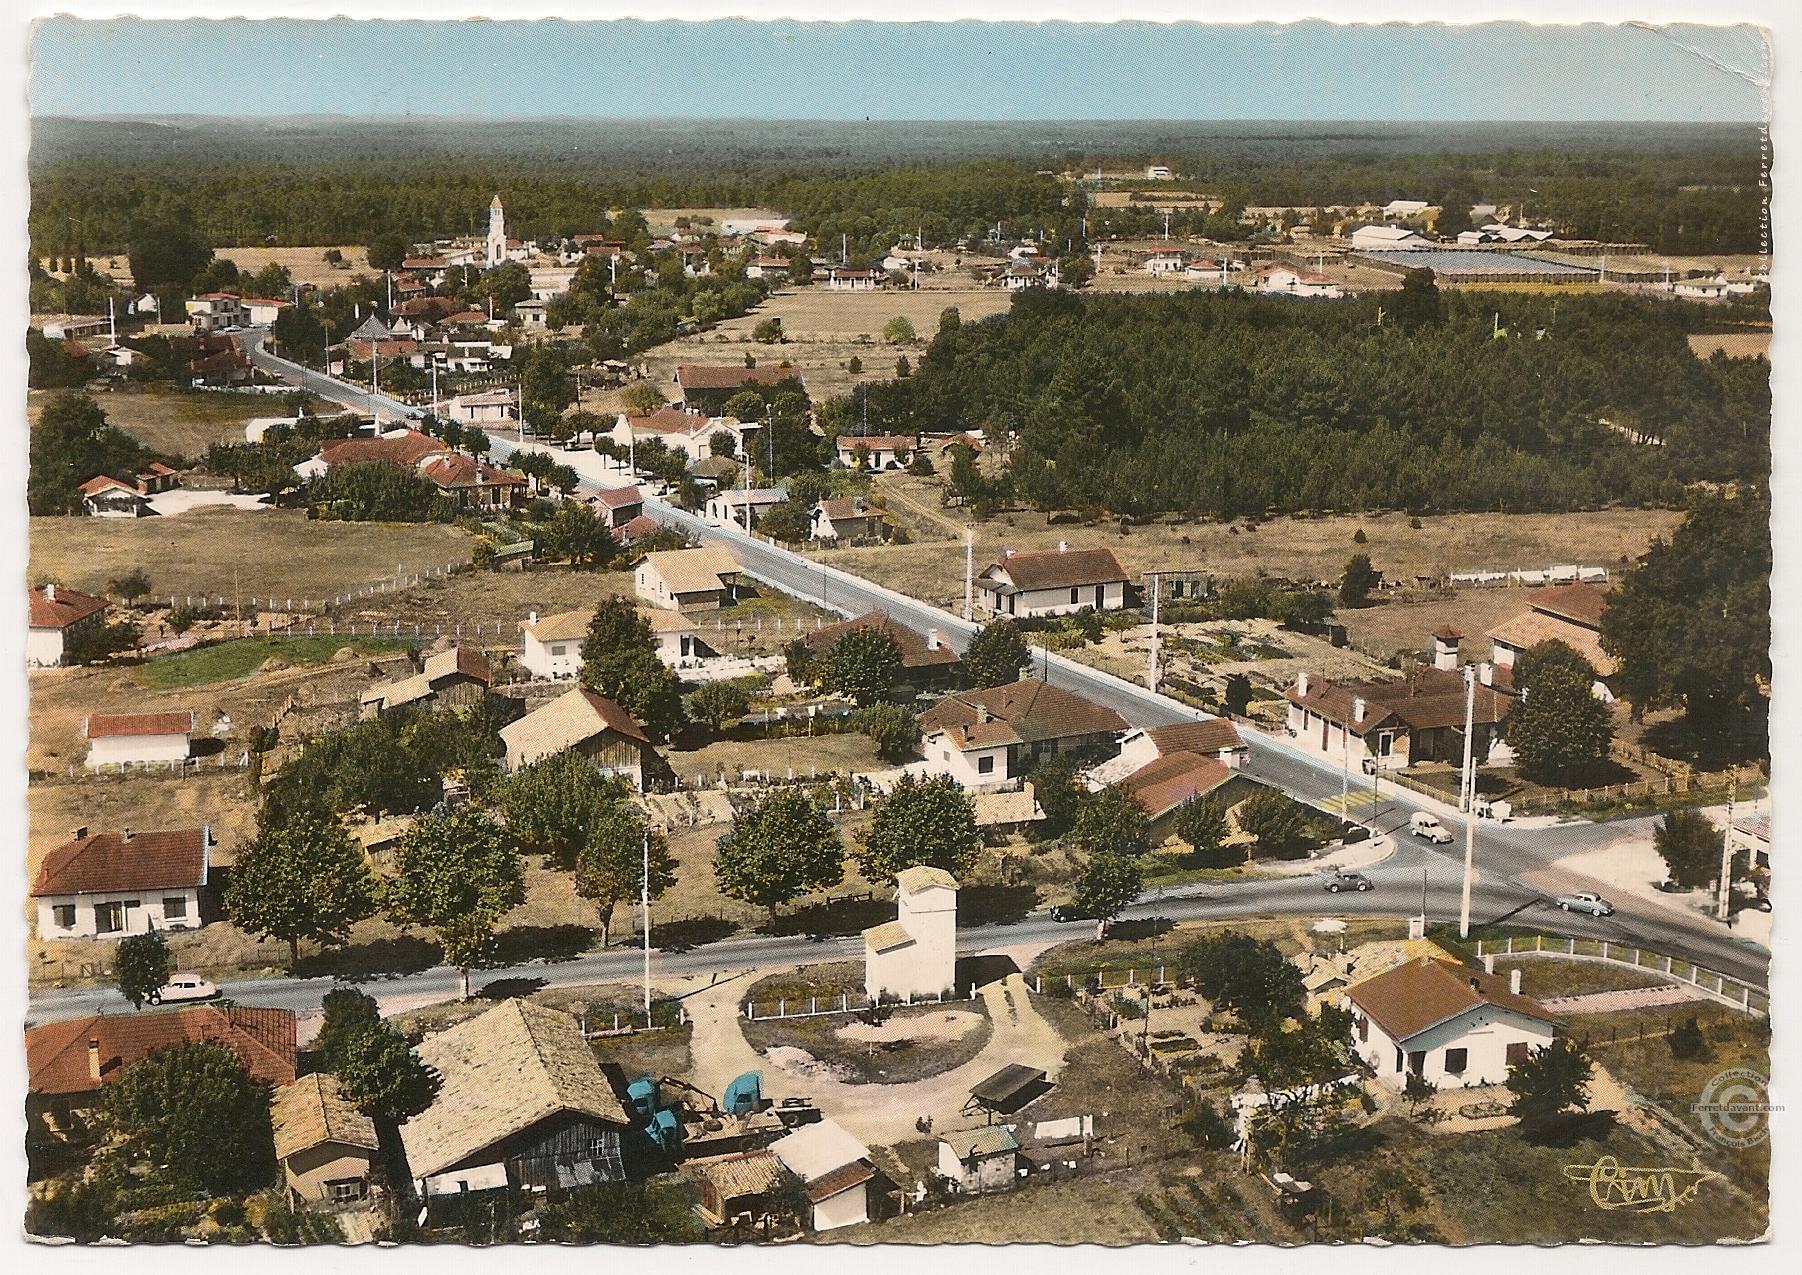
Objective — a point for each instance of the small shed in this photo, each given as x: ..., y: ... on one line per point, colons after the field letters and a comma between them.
x: 740, y: 1188
x: 979, y: 1160
x: 1007, y: 1090
x: 326, y: 1147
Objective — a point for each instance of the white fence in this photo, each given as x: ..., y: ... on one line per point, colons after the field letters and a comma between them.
x: 845, y: 1005
x: 1735, y: 993
x: 1568, y: 573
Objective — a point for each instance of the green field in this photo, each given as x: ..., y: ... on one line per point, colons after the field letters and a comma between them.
x: 244, y: 656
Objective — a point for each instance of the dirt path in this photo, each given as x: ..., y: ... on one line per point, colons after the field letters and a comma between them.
x: 881, y: 1115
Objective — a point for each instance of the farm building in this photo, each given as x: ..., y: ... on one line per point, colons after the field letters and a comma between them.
x: 1394, y: 237
x: 705, y: 388
x: 103, y: 496
x: 977, y: 1161
x: 1568, y: 613
x: 1482, y: 265
x: 326, y: 1148
x: 458, y: 677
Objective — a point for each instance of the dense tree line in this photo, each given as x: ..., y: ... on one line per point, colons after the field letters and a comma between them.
x: 1228, y: 404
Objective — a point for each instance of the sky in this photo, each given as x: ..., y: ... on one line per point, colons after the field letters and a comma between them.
x: 863, y: 70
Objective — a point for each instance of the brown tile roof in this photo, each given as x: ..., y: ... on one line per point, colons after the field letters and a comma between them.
x: 561, y: 627
x: 697, y: 376
x: 637, y: 528
x: 736, y: 1176
x: 566, y: 721
x: 620, y: 497
x: 1217, y: 734
x: 57, y: 1053
x: 458, y: 659
x: 502, y: 1073
x: 56, y: 607
x: 840, y: 1180
x: 1021, y: 712
x: 1061, y: 568
x: 1583, y: 604
x: 878, y: 442
x: 1428, y: 699
x: 911, y: 642
x: 105, y: 482
x: 313, y: 1111
x: 1528, y: 629
x: 848, y: 508
x: 407, y: 449
x: 1164, y: 784
x: 107, y: 861
x: 1409, y: 999
x: 112, y: 725
x: 669, y: 419
x: 693, y: 570
x: 457, y: 470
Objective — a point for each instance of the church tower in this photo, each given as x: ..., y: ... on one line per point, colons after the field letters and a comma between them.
x: 497, y: 233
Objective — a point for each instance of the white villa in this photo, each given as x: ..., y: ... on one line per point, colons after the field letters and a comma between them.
x: 991, y: 738
x: 1053, y: 582
x: 1456, y: 1025
x: 110, y: 884
x: 551, y: 645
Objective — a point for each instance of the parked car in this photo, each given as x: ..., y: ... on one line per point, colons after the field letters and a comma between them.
x: 184, y: 987
x: 1354, y: 833
x: 1428, y: 826
x: 1585, y: 902
x: 1070, y: 912
x: 1345, y: 880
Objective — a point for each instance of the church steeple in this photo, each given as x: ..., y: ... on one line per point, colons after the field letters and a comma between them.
x: 497, y: 233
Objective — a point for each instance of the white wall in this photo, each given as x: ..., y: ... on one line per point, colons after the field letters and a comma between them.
x: 944, y: 758
x: 1031, y: 602
x: 113, y: 750
x: 1484, y: 1033
x: 151, y: 914
x: 44, y: 648
x: 847, y: 1208
x: 559, y: 659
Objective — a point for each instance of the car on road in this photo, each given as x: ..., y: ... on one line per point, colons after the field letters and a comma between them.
x: 182, y: 988
x: 1428, y: 826
x: 1354, y: 834
x: 1585, y: 902
x: 1346, y: 880
x: 1070, y: 912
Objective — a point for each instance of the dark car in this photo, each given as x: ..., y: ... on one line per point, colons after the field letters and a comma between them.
x: 1070, y: 912
x: 1344, y: 880
x: 1354, y: 833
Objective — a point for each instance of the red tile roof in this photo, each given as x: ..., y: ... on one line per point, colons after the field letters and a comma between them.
x: 458, y: 470
x: 638, y: 527
x: 1062, y: 568
x: 847, y: 508
x: 103, y: 483
x: 1020, y: 712
x: 915, y: 653
x: 408, y: 449
x: 695, y: 376
x: 1207, y: 738
x: 108, y: 861
x: 1411, y: 998
x: 878, y: 442
x: 113, y: 725
x: 839, y: 1181
x: 68, y: 606
x: 1583, y: 604
x: 1430, y: 698
x: 620, y: 497
x: 1164, y: 784
x: 56, y: 1054
x: 669, y: 419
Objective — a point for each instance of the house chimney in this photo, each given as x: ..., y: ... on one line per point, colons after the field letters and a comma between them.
x: 982, y: 713
x: 1489, y: 962
x: 1063, y: 546
x: 1486, y: 672
x: 1476, y: 984
x: 1357, y: 708
x: 1301, y: 685
x: 1007, y: 553
x: 94, y: 1058
x: 1445, y: 649
x: 81, y: 832
x: 125, y: 834
x: 50, y: 592
x: 531, y: 617
x: 1514, y: 980
x: 932, y: 639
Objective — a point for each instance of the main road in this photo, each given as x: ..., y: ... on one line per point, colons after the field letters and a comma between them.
x: 1416, y: 876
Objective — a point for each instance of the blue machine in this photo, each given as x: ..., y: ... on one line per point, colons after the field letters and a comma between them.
x: 744, y: 1095
x: 642, y: 1093
x: 665, y: 1131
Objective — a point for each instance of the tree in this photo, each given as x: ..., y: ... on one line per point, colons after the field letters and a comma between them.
x: 864, y: 664
x: 622, y: 1213
x: 893, y: 729
x: 641, y: 398
x: 1111, y: 821
x: 1305, y: 609
x: 801, y: 661
x: 1357, y: 582
x: 610, y: 866
x: 1236, y: 694
x: 167, y: 254
x: 1108, y: 885
x: 1690, y: 846
x: 194, y: 1114
x: 142, y: 966
x: 303, y: 877
x: 620, y: 661
x: 347, y: 1012
x: 786, y: 520
x: 577, y: 536
x: 1690, y: 623
x: 768, y: 332
x: 546, y: 379
x: 1201, y: 821
x: 899, y: 331
x: 783, y: 849
x: 1560, y: 729
x: 71, y: 442
x: 1277, y: 820
x: 457, y: 875
x: 745, y: 405
x: 996, y: 655
x: 1551, y: 1080
x: 387, y: 251
x: 549, y: 805
x: 129, y: 587
x: 800, y: 268
x: 903, y: 369
x: 715, y: 702
x: 1418, y: 304
x: 381, y: 1074
x: 1059, y: 795
x: 921, y: 821
x: 1250, y: 977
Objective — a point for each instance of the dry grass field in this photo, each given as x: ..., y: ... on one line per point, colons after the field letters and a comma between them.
x: 1296, y: 548
x: 228, y: 552
x: 171, y: 422
x: 1735, y: 345
x: 662, y: 220
x: 1403, y: 623
x: 306, y: 265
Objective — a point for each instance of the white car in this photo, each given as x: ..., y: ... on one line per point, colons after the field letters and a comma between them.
x: 184, y: 987
x: 1593, y: 904
x: 1428, y: 826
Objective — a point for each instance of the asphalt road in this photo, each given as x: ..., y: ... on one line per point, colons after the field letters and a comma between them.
x: 1504, y: 851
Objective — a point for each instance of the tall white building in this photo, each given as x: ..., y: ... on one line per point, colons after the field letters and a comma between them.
x: 497, y: 233
x: 915, y: 955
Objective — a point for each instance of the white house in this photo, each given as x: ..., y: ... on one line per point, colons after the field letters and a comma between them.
x: 992, y: 737
x: 691, y: 433
x: 846, y: 279
x: 483, y: 407
x: 1052, y: 582
x: 530, y: 315
x: 1287, y: 281
x: 1387, y: 237
x: 133, y: 739
x: 914, y: 955
x: 1205, y: 270
x: 687, y: 579
x: 849, y: 520
x: 836, y: 1170
x: 58, y: 618
x: 1217, y: 739
x: 213, y: 311
x: 550, y: 282
x: 1455, y: 1025
x: 978, y: 1160
x: 767, y: 268
x: 1166, y: 261
x: 263, y: 311
x: 103, y: 496
x: 876, y: 451
x: 1157, y: 172
x: 111, y: 884
x: 551, y: 646
x: 744, y: 507
x: 1405, y: 207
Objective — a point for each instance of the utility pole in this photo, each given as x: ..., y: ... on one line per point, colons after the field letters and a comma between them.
x: 644, y: 903
x: 969, y: 572
x: 1469, y: 800
x: 434, y: 386
x: 1724, y: 893
x: 1151, y: 671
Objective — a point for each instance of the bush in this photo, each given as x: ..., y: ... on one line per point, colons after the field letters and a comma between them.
x: 1688, y: 1042
x: 1208, y: 1127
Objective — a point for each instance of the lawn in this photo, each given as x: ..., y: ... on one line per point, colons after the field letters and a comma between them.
x: 182, y: 423
x: 234, y: 553
x: 231, y: 660
x: 1134, y: 946
x: 1545, y: 977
